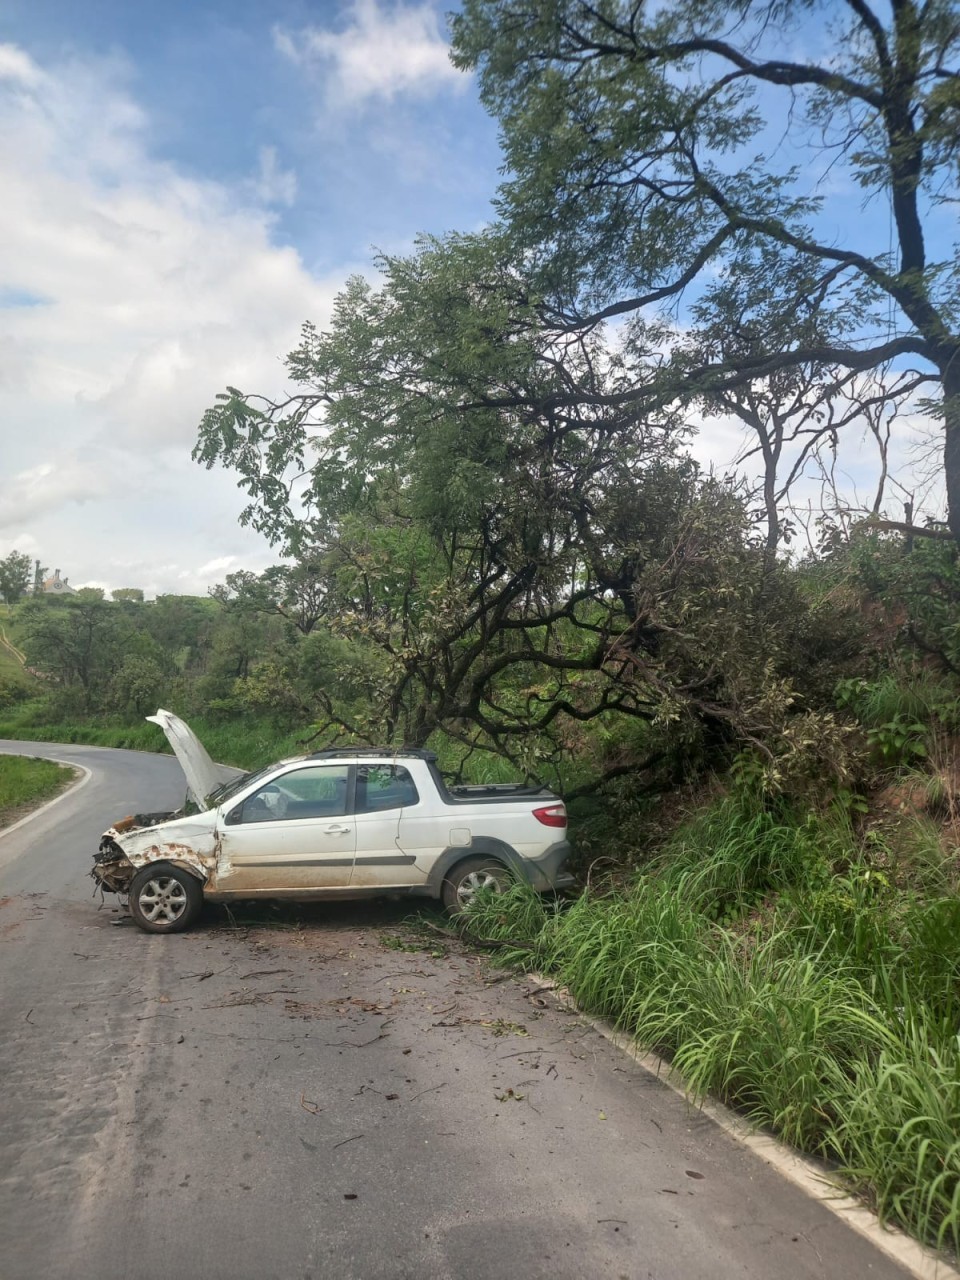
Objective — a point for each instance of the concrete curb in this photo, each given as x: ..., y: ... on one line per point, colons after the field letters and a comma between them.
x: 803, y: 1171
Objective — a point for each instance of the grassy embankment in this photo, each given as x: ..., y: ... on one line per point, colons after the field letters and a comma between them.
x: 247, y: 746
x: 806, y: 975
x: 12, y: 656
x: 27, y: 782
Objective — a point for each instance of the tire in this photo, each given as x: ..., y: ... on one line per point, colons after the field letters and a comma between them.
x: 464, y: 880
x: 165, y: 898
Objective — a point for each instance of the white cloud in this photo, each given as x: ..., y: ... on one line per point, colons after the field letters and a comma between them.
x: 274, y: 184
x: 383, y: 52
x: 218, y: 567
x: 49, y: 485
x: 133, y: 294
x: 15, y: 65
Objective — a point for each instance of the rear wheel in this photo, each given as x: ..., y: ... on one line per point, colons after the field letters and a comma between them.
x: 467, y: 878
x: 165, y: 898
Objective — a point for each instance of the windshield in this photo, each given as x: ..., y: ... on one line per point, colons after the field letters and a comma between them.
x: 228, y: 789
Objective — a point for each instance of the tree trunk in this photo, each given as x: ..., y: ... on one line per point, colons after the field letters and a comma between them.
x: 950, y: 372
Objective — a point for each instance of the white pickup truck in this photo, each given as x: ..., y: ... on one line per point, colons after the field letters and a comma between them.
x: 336, y: 824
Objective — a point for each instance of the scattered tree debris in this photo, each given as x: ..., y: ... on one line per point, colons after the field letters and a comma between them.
x: 432, y: 1089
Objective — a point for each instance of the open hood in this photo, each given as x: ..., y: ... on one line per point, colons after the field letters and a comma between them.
x: 203, y: 776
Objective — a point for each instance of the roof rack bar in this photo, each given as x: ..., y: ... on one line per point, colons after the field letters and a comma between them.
x: 333, y: 753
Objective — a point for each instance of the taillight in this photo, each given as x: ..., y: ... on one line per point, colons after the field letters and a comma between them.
x: 551, y: 815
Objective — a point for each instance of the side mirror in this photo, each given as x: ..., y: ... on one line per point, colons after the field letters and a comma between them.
x: 234, y: 816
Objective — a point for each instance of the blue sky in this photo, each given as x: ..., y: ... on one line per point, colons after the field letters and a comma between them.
x: 183, y: 184
x: 224, y: 83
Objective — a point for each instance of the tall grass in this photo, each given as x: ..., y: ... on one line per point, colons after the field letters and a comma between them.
x: 897, y: 1135
x: 915, y: 695
x: 769, y: 961
x: 731, y: 854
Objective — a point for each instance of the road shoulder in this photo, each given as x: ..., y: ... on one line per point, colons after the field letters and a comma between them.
x: 804, y: 1172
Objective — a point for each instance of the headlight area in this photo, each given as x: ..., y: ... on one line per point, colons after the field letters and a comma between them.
x: 111, y: 868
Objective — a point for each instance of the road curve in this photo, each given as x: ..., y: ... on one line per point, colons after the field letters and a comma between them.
x: 312, y: 1094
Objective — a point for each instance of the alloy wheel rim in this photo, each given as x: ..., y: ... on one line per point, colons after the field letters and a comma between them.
x: 162, y: 900
x: 471, y: 885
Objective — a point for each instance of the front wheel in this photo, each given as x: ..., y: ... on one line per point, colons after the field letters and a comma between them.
x: 467, y: 878
x: 165, y: 898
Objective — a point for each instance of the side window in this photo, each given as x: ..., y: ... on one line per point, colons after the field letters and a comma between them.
x: 317, y: 792
x: 384, y: 786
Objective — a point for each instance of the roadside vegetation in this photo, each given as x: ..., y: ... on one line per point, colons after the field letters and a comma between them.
x: 25, y: 783
x: 492, y: 539
x: 804, y: 974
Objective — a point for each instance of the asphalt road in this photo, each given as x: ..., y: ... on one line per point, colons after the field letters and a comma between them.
x: 321, y: 1093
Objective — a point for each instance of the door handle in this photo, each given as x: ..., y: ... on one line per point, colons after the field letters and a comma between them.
x: 338, y: 831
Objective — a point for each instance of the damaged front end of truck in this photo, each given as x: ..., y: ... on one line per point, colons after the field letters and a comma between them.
x: 175, y: 837
x: 112, y: 869
x: 136, y: 841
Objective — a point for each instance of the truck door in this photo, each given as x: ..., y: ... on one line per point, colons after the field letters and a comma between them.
x: 293, y: 832
x: 384, y: 795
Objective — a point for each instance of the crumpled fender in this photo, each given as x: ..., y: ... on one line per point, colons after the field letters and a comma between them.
x: 189, y: 842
